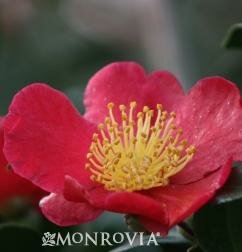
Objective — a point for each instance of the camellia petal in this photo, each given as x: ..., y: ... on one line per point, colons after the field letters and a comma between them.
x: 163, y: 87
x: 120, y: 202
x: 124, y: 82
x: 211, y: 119
x: 160, y: 208
x: 136, y: 203
x: 11, y: 184
x: 46, y: 138
x: 73, y: 191
x: 65, y: 213
x: 115, y: 201
x: 182, y: 201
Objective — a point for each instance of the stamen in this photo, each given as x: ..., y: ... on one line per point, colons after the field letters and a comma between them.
x: 138, y: 154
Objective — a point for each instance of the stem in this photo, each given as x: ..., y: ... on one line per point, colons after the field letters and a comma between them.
x: 186, y: 230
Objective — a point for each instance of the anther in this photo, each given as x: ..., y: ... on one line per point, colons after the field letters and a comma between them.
x: 145, y: 109
x: 107, y: 120
x: 122, y: 107
x: 173, y: 114
x: 140, y: 115
x: 116, y: 161
x: 100, y: 126
x: 110, y: 105
x: 173, y: 126
x: 159, y: 107
x: 191, y: 150
x: 143, y: 135
x: 133, y: 104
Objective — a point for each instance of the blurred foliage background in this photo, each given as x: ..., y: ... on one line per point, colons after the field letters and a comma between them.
x: 64, y: 42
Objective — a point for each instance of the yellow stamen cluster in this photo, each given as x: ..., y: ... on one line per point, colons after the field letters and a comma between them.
x: 140, y: 153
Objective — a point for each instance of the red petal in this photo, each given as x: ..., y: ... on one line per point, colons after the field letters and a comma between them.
x: 138, y: 204
x: 46, y: 138
x: 12, y: 185
x: 120, y: 202
x: 163, y: 87
x: 124, y: 82
x: 158, y: 208
x: 153, y: 226
x: 183, y: 200
x: 73, y: 191
x: 3, y: 161
x: 127, y: 202
x: 66, y: 213
x: 211, y: 118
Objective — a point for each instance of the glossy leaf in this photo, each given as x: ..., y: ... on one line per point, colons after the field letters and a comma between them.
x: 194, y: 248
x: 14, y: 237
x: 232, y: 190
x: 233, y: 38
x: 218, y: 227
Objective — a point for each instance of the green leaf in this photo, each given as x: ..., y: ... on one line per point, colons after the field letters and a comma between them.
x: 133, y: 223
x: 194, y: 248
x: 14, y: 237
x: 218, y: 227
x: 233, y: 38
x: 232, y: 190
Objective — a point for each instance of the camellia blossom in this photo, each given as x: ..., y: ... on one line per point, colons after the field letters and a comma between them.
x: 11, y: 184
x: 143, y: 146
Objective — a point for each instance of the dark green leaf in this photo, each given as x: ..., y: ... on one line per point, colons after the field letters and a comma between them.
x: 18, y: 238
x: 194, y: 248
x: 233, y: 38
x: 232, y: 190
x: 133, y: 223
x: 218, y: 227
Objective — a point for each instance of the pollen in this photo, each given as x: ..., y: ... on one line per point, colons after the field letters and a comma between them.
x: 143, y: 151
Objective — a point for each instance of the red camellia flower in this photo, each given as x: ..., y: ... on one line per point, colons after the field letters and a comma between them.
x: 11, y: 184
x: 143, y: 147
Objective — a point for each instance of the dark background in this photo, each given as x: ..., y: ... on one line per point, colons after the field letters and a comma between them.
x: 64, y: 42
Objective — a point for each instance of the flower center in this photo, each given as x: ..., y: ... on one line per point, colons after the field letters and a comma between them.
x: 140, y: 153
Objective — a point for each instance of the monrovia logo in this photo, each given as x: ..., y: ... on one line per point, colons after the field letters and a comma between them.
x: 48, y: 239
x: 99, y: 239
